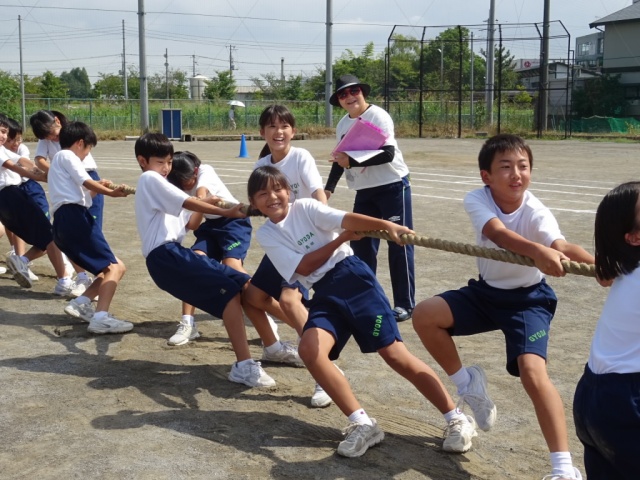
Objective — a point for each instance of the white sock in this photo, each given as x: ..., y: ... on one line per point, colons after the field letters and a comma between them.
x: 462, y: 379
x: 561, y: 464
x: 24, y: 259
x: 99, y: 315
x: 361, y: 417
x: 64, y: 281
x: 276, y: 347
x: 82, y: 276
x: 189, y: 319
x: 82, y: 300
x: 454, y: 414
x: 242, y: 363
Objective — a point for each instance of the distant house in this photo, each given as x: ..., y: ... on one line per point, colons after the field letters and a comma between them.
x: 621, y: 51
x: 590, y: 52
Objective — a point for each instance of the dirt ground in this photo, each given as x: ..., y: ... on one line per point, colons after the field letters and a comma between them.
x: 77, y: 405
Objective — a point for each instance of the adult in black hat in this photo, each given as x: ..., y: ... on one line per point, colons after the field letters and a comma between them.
x: 382, y: 186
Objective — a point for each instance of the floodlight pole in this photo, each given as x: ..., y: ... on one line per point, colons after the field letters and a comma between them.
x: 144, y: 93
x: 124, y: 65
x: 544, y: 69
x: 328, y: 83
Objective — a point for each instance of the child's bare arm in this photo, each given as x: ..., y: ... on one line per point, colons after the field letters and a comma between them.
x: 320, y: 195
x: 42, y: 163
x: 204, y: 206
x: 36, y: 175
x: 547, y: 260
x: 194, y: 220
x: 573, y: 251
x: 314, y: 260
x: 358, y: 223
x: 98, y: 187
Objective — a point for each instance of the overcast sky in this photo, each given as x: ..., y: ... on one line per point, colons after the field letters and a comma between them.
x: 59, y: 36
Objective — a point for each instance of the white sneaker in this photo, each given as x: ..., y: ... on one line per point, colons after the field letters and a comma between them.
x: 287, y: 354
x: 483, y: 408
x: 20, y: 270
x: 63, y: 290
x: 251, y: 374
x: 359, y: 438
x: 80, y: 286
x: 32, y: 276
x: 3, y: 270
x: 83, y: 311
x: 108, y: 324
x: 576, y: 476
x: 320, y: 398
x: 185, y: 333
x: 458, y: 435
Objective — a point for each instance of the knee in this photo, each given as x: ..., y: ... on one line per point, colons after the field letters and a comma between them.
x: 254, y: 296
x: 308, y: 349
x: 424, y: 315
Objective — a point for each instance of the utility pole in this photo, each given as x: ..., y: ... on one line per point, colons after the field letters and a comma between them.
x: 471, y: 106
x: 144, y: 92
x: 544, y: 69
x: 231, y: 65
x: 328, y: 85
x: 124, y: 66
x: 489, y: 81
x: 282, y: 70
x: 166, y: 70
x: 194, y: 64
x: 24, y: 109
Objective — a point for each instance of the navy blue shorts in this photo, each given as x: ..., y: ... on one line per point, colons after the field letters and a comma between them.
x: 195, y: 279
x: 35, y: 191
x: 268, y: 279
x: 79, y: 237
x: 21, y: 214
x: 97, y: 202
x: 523, y: 314
x: 606, y: 411
x: 223, y: 237
x: 348, y: 301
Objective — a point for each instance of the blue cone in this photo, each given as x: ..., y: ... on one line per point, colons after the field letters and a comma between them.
x: 243, y: 148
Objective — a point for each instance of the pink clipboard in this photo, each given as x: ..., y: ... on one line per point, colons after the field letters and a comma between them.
x: 362, y: 135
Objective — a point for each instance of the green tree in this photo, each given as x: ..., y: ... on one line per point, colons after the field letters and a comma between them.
x: 52, y: 87
x: 9, y: 95
x: 602, y: 96
x: 176, y: 85
x: 272, y: 87
x: 223, y: 86
x: 77, y: 81
x: 109, y: 86
x: 503, y: 59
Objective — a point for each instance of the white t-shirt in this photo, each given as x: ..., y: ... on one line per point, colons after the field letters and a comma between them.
x: 615, y: 347
x: 374, y: 176
x: 23, y: 152
x: 48, y: 149
x: 159, y: 213
x: 208, y: 178
x: 308, y: 226
x: 532, y: 220
x: 65, y: 179
x: 301, y: 170
x: 8, y: 177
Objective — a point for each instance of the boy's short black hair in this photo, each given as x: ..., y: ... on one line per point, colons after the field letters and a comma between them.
x: 276, y: 112
x: 153, y: 145
x: 14, y: 128
x: 504, y: 142
x: 75, y: 131
x: 43, y: 120
x: 4, y: 120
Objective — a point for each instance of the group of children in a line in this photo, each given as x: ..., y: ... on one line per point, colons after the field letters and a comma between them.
x: 306, y: 244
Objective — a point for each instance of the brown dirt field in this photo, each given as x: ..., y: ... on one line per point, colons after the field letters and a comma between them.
x: 76, y: 405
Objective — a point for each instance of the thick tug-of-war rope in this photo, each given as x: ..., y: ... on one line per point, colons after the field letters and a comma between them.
x: 584, y: 269
x: 577, y: 268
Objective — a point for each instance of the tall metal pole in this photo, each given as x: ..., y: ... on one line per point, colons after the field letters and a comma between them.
x: 144, y: 92
x: 166, y: 71
x: 489, y: 82
x: 441, y: 75
x: 471, y: 112
x: 328, y: 83
x: 282, y: 70
x: 24, y: 108
x: 124, y: 66
x: 544, y: 68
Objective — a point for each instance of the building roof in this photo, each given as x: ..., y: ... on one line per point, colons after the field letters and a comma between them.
x: 627, y: 14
